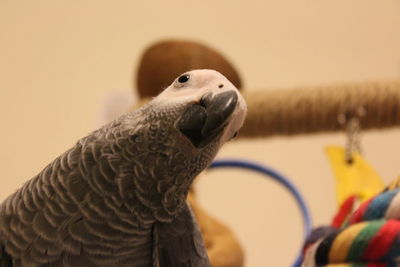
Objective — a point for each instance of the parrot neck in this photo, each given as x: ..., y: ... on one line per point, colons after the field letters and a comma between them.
x: 150, y: 165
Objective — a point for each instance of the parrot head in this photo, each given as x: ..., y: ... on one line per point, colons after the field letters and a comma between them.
x: 211, y: 109
x: 206, y: 110
x: 178, y: 133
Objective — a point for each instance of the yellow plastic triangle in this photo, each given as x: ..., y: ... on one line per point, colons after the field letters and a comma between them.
x: 357, y: 178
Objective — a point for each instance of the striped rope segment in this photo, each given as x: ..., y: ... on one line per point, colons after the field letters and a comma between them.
x: 370, y: 237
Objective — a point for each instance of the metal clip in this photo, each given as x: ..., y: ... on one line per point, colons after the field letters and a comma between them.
x: 351, y: 122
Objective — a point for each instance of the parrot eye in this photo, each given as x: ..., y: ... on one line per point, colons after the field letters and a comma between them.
x: 182, y: 81
x: 184, y: 78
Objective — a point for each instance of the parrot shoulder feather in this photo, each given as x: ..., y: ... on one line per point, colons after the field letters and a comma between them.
x: 179, y: 244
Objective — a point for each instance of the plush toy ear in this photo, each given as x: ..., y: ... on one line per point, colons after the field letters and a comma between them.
x: 114, y: 104
x: 162, y: 62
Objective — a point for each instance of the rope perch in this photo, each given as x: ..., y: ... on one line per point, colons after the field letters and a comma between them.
x: 313, y: 110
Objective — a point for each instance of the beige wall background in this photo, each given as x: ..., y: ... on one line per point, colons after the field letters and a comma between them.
x: 58, y: 60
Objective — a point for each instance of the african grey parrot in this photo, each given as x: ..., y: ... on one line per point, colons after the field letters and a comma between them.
x: 118, y: 197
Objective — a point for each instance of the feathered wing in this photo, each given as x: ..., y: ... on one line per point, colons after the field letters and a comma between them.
x: 58, y: 219
x: 179, y: 244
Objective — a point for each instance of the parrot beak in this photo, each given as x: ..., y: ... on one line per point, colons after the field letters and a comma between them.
x: 202, y: 122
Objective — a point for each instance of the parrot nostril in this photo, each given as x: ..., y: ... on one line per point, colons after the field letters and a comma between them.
x: 220, y: 86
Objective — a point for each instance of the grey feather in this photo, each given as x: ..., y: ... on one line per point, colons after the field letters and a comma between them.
x: 179, y: 244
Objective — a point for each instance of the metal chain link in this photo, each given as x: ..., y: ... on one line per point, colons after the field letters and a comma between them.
x: 352, y: 125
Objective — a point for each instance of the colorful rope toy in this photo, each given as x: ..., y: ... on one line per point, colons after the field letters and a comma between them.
x: 369, y: 237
